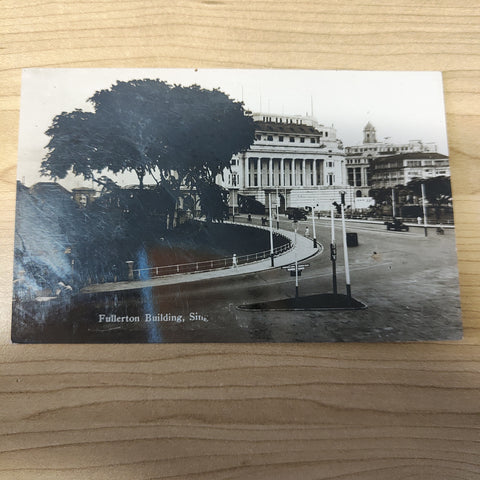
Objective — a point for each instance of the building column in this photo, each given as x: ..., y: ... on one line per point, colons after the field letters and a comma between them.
x: 282, y: 172
x: 245, y: 171
x: 314, y: 165
x: 304, y: 173
x: 270, y: 172
x: 294, y: 172
x: 259, y: 172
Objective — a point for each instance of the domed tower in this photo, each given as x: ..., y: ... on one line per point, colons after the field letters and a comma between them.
x: 369, y: 135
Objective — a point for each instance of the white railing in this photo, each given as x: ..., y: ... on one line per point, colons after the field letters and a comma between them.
x: 207, y: 265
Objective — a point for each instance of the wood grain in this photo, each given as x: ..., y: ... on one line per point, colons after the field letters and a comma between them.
x: 247, y: 411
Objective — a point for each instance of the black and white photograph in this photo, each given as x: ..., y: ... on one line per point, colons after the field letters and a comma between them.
x: 196, y: 205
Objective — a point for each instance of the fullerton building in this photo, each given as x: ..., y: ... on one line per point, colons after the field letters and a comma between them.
x: 295, y: 159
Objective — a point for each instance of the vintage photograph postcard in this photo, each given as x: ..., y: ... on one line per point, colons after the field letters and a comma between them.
x: 185, y: 205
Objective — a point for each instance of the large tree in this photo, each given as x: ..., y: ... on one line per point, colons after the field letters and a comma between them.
x: 438, y: 191
x: 171, y: 135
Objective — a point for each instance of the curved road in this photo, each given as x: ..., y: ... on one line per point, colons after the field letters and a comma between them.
x: 408, y: 281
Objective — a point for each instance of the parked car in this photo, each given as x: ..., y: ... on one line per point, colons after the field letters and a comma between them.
x: 397, y: 225
x: 296, y: 213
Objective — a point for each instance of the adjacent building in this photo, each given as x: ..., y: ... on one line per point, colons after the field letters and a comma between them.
x: 400, y: 169
x: 360, y: 159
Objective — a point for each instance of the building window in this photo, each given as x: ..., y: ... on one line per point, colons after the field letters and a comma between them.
x: 280, y: 138
x: 302, y: 139
x: 350, y: 177
x: 270, y: 138
x: 358, y: 177
x: 330, y: 179
x: 292, y: 139
x: 312, y: 140
x: 326, y: 134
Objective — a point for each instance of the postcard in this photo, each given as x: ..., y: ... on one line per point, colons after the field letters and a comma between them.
x: 189, y: 205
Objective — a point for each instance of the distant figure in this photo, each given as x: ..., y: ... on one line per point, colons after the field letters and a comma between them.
x: 307, y: 232
x: 249, y: 217
x: 419, y: 220
x: 234, y: 261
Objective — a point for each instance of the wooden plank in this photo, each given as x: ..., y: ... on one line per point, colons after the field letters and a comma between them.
x: 246, y: 411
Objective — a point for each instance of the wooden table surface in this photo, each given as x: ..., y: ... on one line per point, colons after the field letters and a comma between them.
x: 325, y: 411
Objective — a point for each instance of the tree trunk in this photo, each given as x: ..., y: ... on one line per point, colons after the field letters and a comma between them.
x: 171, y: 217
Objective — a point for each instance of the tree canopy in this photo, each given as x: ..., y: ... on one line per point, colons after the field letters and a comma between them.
x: 171, y: 135
x: 438, y: 190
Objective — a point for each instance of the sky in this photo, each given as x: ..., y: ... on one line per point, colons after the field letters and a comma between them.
x: 401, y: 105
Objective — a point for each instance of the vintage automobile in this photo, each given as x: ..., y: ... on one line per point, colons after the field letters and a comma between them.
x: 296, y: 214
x: 397, y: 225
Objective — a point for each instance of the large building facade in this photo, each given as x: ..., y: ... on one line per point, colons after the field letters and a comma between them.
x: 296, y: 160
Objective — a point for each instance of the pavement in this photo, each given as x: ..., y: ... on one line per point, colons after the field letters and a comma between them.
x: 302, y: 250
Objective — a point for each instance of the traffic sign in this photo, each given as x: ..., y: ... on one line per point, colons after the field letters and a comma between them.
x: 292, y: 266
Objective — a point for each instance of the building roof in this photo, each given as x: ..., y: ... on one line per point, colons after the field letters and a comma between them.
x: 83, y: 189
x: 48, y: 187
x: 412, y: 156
x: 277, y: 127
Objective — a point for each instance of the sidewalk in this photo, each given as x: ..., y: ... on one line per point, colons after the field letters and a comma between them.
x: 303, y: 250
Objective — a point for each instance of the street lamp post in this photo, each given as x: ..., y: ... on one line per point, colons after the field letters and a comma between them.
x: 345, y: 255
x: 393, y: 203
x: 271, y: 227
x: 333, y: 254
x: 277, y: 202
x: 296, y: 264
x: 424, y: 209
x: 313, y: 228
